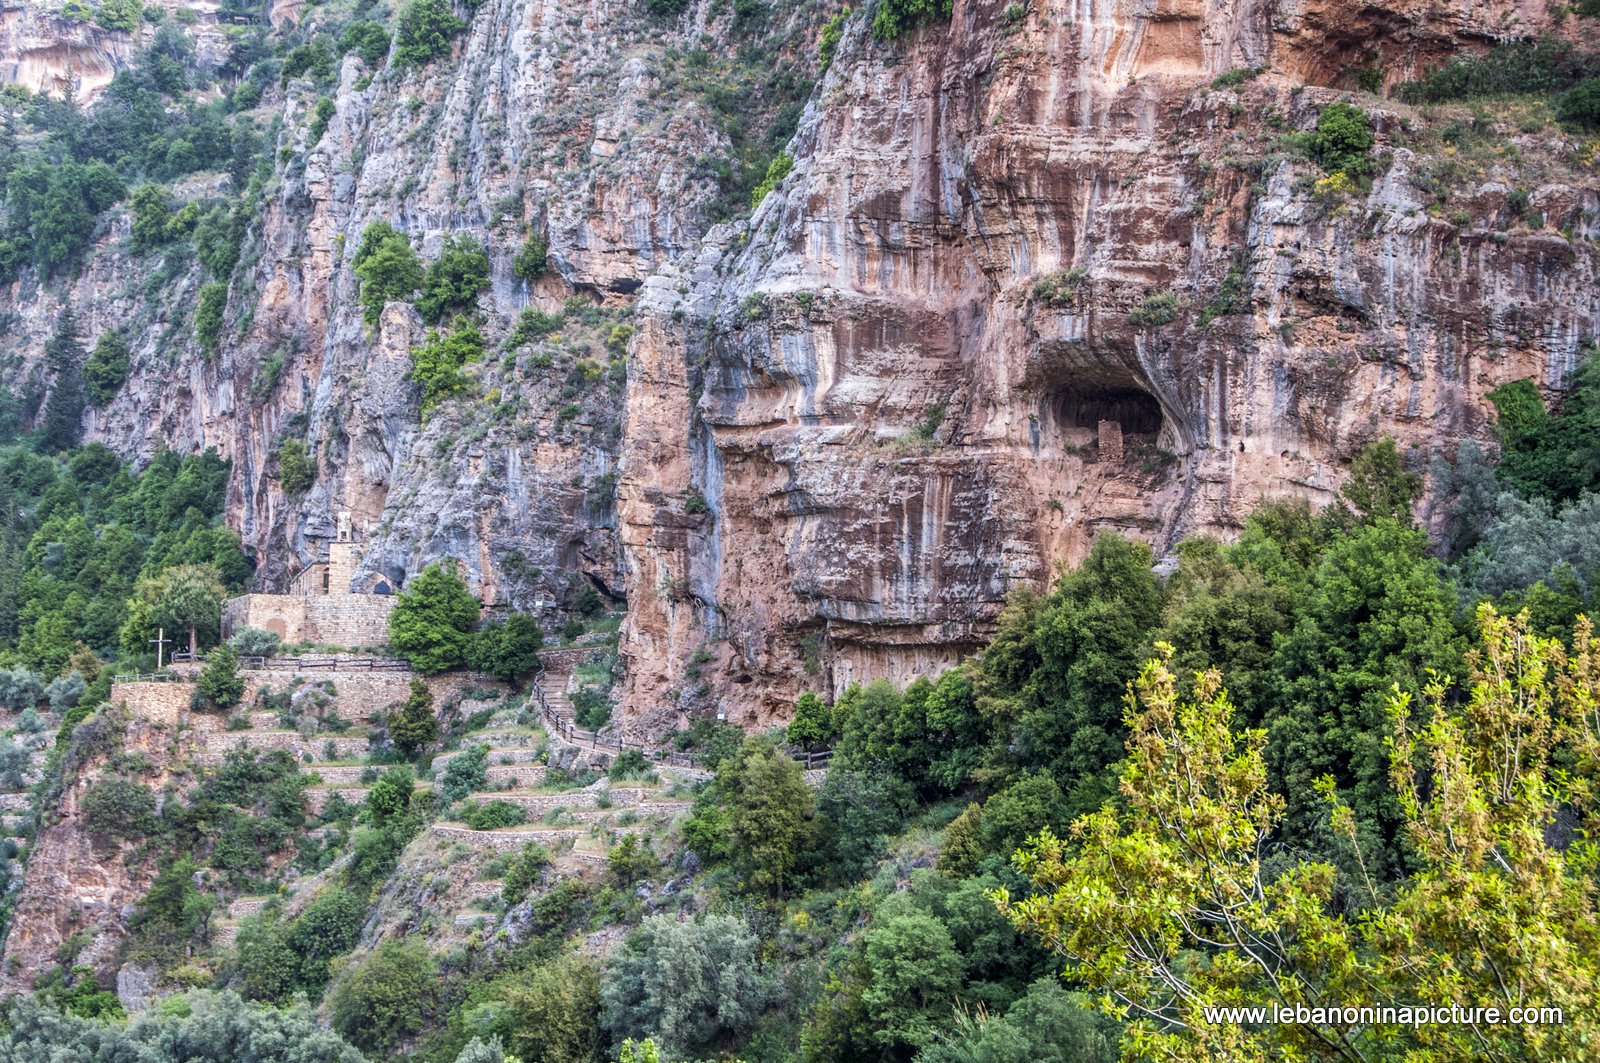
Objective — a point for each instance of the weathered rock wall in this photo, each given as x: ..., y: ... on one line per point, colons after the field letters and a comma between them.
x: 891, y: 429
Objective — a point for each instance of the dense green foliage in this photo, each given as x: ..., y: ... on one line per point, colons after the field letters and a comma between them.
x: 296, y: 470
x: 387, y: 268
x: 1342, y: 141
x: 1554, y: 456
x: 219, y: 681
x: 530, y: 263
x: 436, y: 365
x: 106, y: 369
x: 81, y: 533
x: 193, y: 1028
x: 896, y: 18
x: 423, y: 32
x: 454, y: 279
x: 431, y: 624
x: 508, y: 649
x: 1544, y: 66
x: 415, y: 726
x: 386, y: 998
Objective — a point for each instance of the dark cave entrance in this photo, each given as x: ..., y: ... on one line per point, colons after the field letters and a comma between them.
x: 1083, y: 408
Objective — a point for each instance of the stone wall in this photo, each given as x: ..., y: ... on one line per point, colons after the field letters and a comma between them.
x: 333, y: 619
x: 163, y: 703
x: 358, y: 695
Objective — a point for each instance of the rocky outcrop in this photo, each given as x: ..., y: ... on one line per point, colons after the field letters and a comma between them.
x: 888, y: 388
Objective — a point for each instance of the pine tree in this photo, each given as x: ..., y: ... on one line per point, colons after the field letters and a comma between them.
x: 415, y: 725
x: 63, y: 411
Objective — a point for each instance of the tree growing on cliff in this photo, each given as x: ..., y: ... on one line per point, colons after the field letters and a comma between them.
x: 387, y: 268
x: 454, y: 279
x: 63, y: 411
x: 415, y: 727
x: 424, y: 31
x: 1342, y: 141
x: 107, y: 368
x: 432, y: 621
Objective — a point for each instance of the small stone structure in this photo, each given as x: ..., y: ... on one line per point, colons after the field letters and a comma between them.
x: 1111, y: 442
x: 325, y: 603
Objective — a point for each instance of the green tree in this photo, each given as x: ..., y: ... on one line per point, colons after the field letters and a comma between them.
x: 296, y: 470
x: 387, y: 998
x: 62, y: 424
x: 1480, y: 787
x: 770, y: 811
x: 424, y: 31
x: 508, y: 649
x: 436, y: 365
x: 454, y: 279
x: 524, y: 872
x: 196, y: 1027
x: 219, y: 680
x: 432, y: 620
x: 1059, y: 667
x: 554, y: 1013
x: 896, y: 18
x: 1049, y: 1025
x: 173, y: 909
x: 1342, y: 141
x: 369, y: 40
x: 387, y: 268
x: 1376, y: 612
x: 916, y: 974
x: 150, y: 214
x: 208, y: 313
x: 531, y: 262
x: 107, y: 368
x: 120, y: 14
x: 390, y: 796
x: 1379, y: 485
x: 120, y: 808
x: 688, y: 985
x: 415, y: 726
x: 811, y: 727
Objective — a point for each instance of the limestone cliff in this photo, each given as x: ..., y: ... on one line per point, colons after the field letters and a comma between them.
x: 855, y: 421
x: 889, y: 386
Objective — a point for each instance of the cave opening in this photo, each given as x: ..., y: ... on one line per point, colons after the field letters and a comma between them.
x: 1135, y: 409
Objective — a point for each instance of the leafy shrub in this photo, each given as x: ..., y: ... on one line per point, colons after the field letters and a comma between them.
x: 454, y: 279
x: 1581, y: 105
x: 208, y: 313
x: 1232, y: 79
x: 1343, y: 139
x: 666, y: 8
x: 149, y: 217
x: 895, y: 18
x: 492, y: 815
x: 386, y: 998
x: 219, y: 681
x: 424, y: 31
x: 591, y: 708
x: 369, y: 40
x: 324, y: 113
x: 688, y: 985
x: 508, y: 648
x: 65, y: 691
x: 530, y: 262
x: 436, y: 365
x: 254, y: 642
x: 1542, y: 67
x: 828, y: 42
x: 295, y: 468
x: 524, y: 872
x: 779, y: 168
x: 106, y: 369
x: 20, y: 687
x: 415, y: 726
x: 123, y: 15
x: 464, y: 773
x: 1158, y: 308
x: 120, y: 808
x: 387, y: 267
x: 531, y: 325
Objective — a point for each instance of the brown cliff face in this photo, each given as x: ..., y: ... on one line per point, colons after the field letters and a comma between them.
x: 893, y: 427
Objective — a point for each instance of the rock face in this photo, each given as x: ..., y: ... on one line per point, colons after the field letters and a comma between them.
x: 849, y: 426
x: 889, y: 389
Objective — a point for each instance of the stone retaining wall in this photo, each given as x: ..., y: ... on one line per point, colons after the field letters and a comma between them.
x: 514, y: 775
x: 358, y: 695
x: 501, y: 841
x: 163, y: 703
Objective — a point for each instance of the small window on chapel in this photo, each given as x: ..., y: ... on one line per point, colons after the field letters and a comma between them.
x: 324, y: 581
